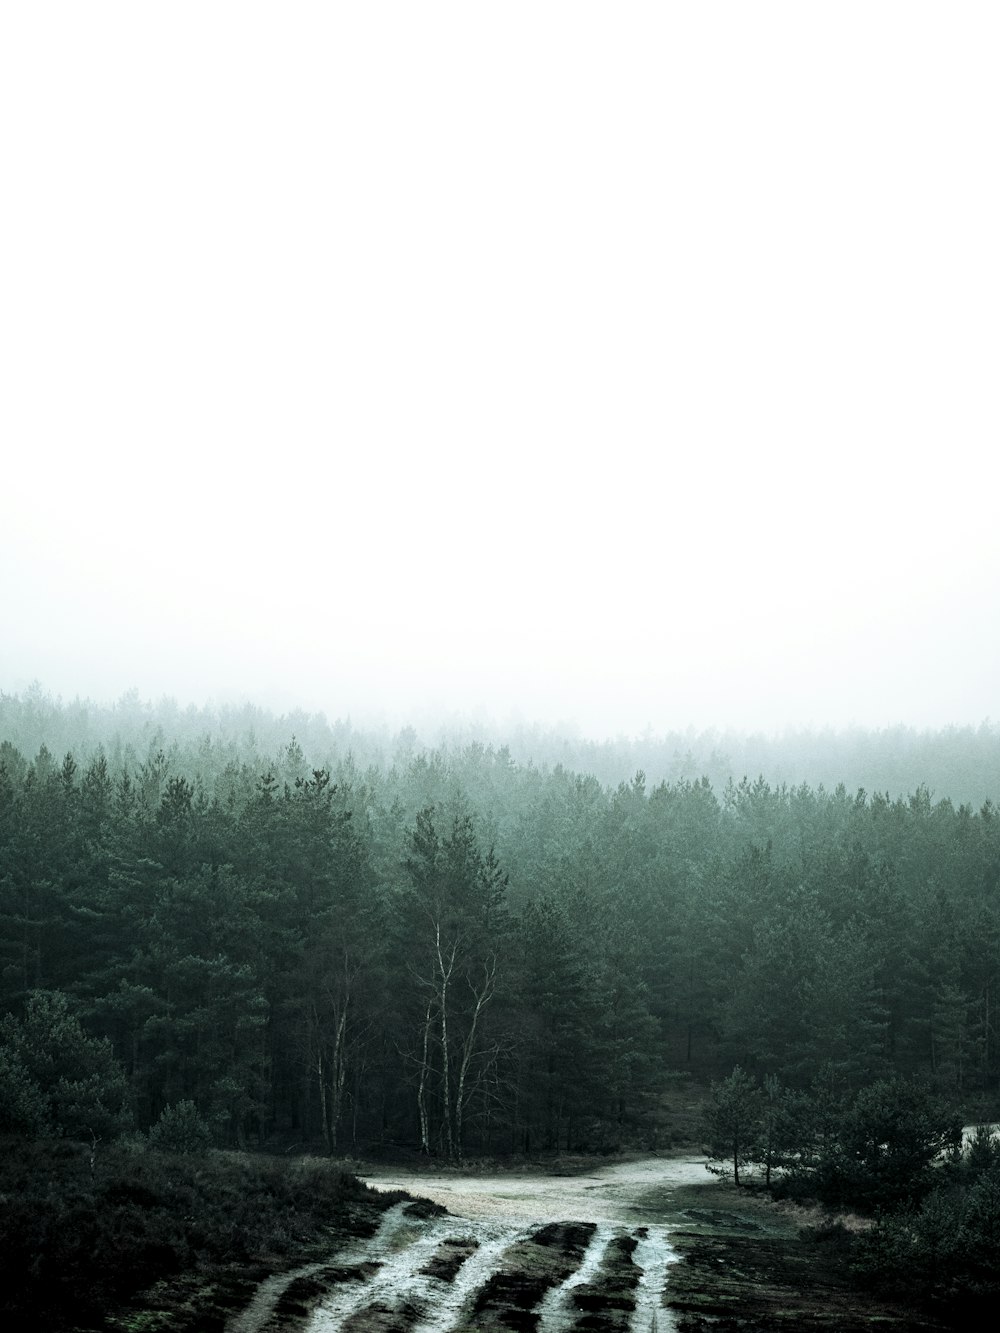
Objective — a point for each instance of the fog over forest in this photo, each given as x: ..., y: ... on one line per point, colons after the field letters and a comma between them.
x: 600, y: 370
x: 499, y: 639
x: 961, y: 764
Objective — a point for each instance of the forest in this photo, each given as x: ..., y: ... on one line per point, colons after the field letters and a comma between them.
x: 459, y: 952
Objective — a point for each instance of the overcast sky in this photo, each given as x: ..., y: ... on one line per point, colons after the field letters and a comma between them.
x: 618, y: 363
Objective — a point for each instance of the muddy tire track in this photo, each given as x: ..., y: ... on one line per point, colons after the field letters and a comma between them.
x: 265, y: 1301
x: 445, y: 1275
x: 427, y: 1271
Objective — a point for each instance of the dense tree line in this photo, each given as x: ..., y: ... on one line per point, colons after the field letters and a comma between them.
x: 468, y: 954
x: 958, y: 762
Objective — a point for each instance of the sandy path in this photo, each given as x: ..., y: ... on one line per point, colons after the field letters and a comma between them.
x: 607, y: 1194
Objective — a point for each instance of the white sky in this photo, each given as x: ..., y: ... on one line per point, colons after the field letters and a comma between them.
x: 625, y: 363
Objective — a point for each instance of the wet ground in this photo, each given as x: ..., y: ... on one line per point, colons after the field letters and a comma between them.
x: 625, y: 1192
x: 649, y: 1246
x: 531, y: 1251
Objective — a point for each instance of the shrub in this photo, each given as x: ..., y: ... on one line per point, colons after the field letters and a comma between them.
x: 876, y: 1151
x: 61, y: 1080
x: 181, y: 1129
x: 24, y: 1108
x: 78, y: 1246
x: 888, y: 1140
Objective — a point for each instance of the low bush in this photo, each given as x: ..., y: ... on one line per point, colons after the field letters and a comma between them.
x: 947, y: 1251
x: 80, y: 1238
x: 180, y: 1129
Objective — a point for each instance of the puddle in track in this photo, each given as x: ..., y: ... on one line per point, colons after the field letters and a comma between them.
x: 266, y: 1298
x: 653, y: 1254
x: 447, y: 1299
x: 401, y: 1246
x: 610, y: 1196
x: 555, y: 1311
x: 496, y: 1211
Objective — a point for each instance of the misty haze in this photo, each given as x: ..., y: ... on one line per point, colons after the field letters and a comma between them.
x: 499, y: 643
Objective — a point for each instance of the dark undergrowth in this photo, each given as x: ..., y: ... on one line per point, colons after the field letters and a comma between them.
x: 82, y: 1241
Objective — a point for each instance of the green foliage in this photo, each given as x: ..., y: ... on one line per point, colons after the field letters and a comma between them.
x: 560, y: 1019
x: 63, y: 1081
x: 877, y: 1149
x: 948, y: 1249
x: 364, y: 943
x: 777, y: 1129
x: 979, y: 1231
x: 874, y: 1150
x: 24, y: 1108
x: 733, y: 1124
x: 457, y: 946
x: 180, y: 1129
x: 252, y: 923
x: 807, y: 995
x: 79, y: 1241
x: 980, y: 1154
x: 887, y: 1140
